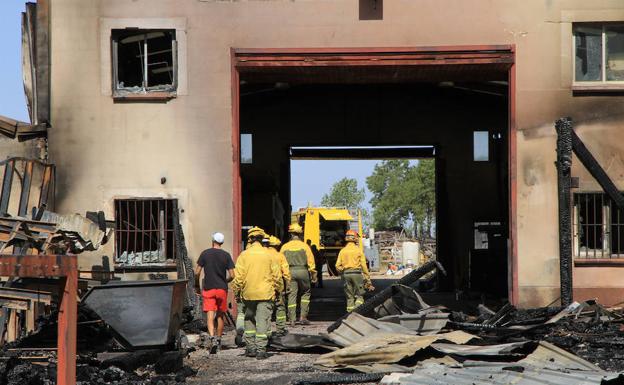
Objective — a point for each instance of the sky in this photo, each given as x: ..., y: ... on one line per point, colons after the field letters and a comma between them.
x: 12, y: 98
x: 311, y: 179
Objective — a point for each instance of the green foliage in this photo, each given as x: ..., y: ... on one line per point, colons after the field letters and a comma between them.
x: 403, y: 194
x: 345, y: 193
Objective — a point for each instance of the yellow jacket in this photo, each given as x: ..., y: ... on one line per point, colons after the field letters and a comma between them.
x: 283, y: 264
x: 298, y: 254
x: 256, y: 276
x: 351, y: 257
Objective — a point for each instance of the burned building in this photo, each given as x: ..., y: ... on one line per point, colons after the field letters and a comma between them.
x: 152, y: 104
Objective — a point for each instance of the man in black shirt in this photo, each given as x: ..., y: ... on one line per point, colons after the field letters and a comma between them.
x: 218, y: 270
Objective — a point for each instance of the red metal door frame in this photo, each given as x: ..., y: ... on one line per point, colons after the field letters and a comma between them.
x: 64, y: 267
x: 255, y: 58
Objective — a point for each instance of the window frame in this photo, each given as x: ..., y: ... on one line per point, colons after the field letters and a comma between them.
x: 144, y: 92
x: 603, y: 84
x: 119, y: 231
x: 606, y: 254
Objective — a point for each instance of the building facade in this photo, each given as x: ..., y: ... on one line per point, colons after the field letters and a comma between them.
x: 148, y: 99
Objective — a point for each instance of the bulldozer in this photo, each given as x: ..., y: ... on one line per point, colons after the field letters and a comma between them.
x: 324, y: 230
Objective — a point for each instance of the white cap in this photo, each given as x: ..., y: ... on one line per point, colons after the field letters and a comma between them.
x: 218, y: 237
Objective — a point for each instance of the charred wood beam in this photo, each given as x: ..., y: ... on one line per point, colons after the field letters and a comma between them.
x: 564, y: 165
x: 596, y: 171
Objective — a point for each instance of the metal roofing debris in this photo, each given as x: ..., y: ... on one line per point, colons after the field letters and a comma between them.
x: 386, y: 348
x: 506, y: 373
x: 547, y: 355
x: 513, y: 349
x: 424, y: 324
x: 300, y: 341
x: 403, y: 299
x: 370, y: 304
x: 356, y: 327
x: 82, y: 232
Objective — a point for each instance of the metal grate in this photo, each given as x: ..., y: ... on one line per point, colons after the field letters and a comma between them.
x: 144, y: 230
x: 598, y: 225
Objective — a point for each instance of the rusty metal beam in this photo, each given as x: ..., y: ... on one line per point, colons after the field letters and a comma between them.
x: 7, y: 182
x: 65, y: 267
x: 37, y: 266
x: 22, y: 210
x: 67, y: 330
x: 46, y: 182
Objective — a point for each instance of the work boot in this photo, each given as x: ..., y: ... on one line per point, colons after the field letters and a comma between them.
x: 203, y: 339
x: 215, y: 344
x: 281, y: 333
x: 238, y: 340
x: 250, y: 353
x: 304, y: 322
x: 262, y: 355
x: 292, y: 324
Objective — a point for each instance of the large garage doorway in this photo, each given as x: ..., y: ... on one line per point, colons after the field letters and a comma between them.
x: 458, y: 99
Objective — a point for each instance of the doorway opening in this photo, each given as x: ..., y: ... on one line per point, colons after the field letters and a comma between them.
x: 461, y: 108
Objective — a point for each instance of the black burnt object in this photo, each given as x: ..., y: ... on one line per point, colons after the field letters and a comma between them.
x: 564, y: 165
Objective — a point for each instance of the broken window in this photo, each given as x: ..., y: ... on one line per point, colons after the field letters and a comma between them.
x: 144, y: 60
x: 598, y: 53
x: 144, y: 231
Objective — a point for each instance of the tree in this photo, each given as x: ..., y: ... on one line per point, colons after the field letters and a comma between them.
x: 403, y: 195
x: 422, y: 189
x: 390, y: 208
x: 344, y: 193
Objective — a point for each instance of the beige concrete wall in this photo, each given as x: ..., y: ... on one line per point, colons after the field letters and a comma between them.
x: 104, y: 149
x: 9, y: 148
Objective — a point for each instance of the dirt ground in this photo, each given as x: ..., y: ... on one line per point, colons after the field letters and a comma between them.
x: 231, y: 367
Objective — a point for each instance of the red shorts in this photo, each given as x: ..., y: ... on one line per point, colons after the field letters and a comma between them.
x: 215, y: 300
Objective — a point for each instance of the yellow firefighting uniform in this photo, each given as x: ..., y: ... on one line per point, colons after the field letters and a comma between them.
x: 256, y: 280
x: 280, y: 301
x: 351, y: 263
x: 301, y: 264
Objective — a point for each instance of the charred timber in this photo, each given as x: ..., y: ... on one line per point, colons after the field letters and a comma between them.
x: 564, y: 165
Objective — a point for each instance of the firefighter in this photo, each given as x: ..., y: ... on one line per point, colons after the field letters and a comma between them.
x: 280, y: 302
x: 351, y: 263
x: 302, y: 272
x: 255, y: 283
x: 240, y: 305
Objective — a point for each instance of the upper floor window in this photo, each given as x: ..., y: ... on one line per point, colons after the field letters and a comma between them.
x: 598, y: 53
x: 144, y: 61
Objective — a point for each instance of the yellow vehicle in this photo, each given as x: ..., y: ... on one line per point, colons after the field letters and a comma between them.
x: 324, y: 230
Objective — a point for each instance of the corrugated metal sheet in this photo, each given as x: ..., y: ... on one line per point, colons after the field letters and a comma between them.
x: 500, y: 374
x: 424, y: 324
x: 84, y: 233
x: 547, y: 355
x: 355, y: 327
x: 386, y: 348
x: 514, y: 349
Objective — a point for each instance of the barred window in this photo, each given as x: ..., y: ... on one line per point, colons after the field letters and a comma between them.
x: 144, y: 231
x: 598, y: 227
